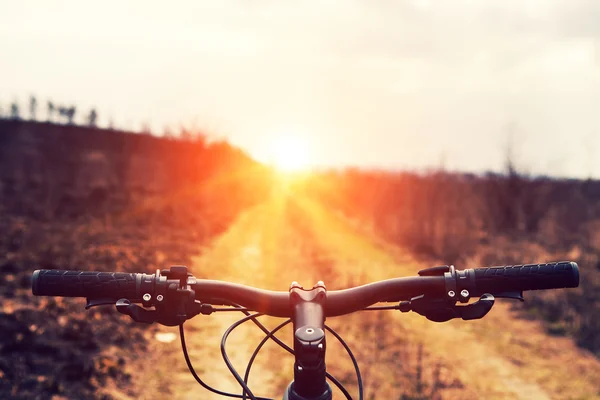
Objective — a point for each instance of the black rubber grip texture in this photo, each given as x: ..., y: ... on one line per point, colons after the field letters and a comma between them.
x: 97, y: 285
x: 517, y: 278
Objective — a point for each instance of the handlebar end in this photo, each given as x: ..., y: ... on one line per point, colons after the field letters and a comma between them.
x: 574, y: 275
x: 34, y: 282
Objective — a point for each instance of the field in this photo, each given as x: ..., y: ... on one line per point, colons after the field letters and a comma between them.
x: 74, y: 198
x: 495, y: 219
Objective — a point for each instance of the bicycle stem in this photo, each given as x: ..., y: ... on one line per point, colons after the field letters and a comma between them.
x: 309, y: 344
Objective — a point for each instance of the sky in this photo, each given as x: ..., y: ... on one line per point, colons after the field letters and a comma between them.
x: 378, y: 84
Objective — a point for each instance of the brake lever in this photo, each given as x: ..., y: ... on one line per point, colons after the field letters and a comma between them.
x: 162, y: 316
x: 124, y: 306
x: 440, y: 310
x: 137, y: 313
x: 511, y: 295
x: 477, y: 310
x: 98, y: 302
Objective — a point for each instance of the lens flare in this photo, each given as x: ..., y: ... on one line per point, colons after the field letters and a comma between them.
x: 290, y: 153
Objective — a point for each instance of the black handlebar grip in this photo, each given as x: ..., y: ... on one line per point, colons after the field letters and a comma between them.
x: 517, y: 278
x: 97, y: 285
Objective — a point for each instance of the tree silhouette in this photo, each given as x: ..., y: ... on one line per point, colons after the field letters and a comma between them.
x: 185, y: 133
x: 14, y: 110
x: 51, y: 110
x: 92, y: 118
x: 68, y: 113
x: 62, y: 111
x: 146, y: 128
x: 32, y: 107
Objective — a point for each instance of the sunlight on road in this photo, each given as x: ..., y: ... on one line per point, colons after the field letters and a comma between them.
x: 362, y: 258
x: 292, y: 237
x: 165, y: 337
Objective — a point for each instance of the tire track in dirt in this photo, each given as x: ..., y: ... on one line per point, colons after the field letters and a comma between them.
x: 499, y: 356
x: 280, y: 241
x: 263, y: 248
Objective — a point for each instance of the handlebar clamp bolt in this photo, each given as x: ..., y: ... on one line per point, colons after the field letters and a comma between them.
x: 159, y: 297
x: 451, y: 293
x: 146, y: 297
x: 464, y: 293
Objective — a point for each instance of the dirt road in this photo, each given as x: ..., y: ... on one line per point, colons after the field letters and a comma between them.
x: 290, y: 238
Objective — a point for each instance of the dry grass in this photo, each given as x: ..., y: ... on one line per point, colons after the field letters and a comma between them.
x: 151, y: 207
x: 75, y: 198
x: 478, y: 221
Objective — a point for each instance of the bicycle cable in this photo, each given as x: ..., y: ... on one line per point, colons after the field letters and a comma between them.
x: 191, y: 368
x: 195, y: 375
x: 270, y: 335
x: 284, y: 346
x: 356, y: 368
x: 381, y: 308
x: 228, y: 363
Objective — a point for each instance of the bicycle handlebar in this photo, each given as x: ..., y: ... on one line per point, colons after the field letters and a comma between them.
x: 339, y: 302
x: 133, y: 287
x: 178, y: 296
x: 106, y: 285
x: 527, y: 277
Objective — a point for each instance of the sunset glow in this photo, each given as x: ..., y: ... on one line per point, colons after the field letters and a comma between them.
x: 290, y: 153
x: 366, y: 85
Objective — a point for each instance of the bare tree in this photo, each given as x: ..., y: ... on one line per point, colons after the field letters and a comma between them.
x: 51, y: 110
x: 32, y: 108
x: 14, y: 110
x: 62, y: 111
x: 185, y: 133
x: 71, y: 114
x: 92, y: 118
x: 68, y: 113
x: 510, y: 154
x: 146, y: 128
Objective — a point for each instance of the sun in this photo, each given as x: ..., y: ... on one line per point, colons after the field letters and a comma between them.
x: 290, y: 153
